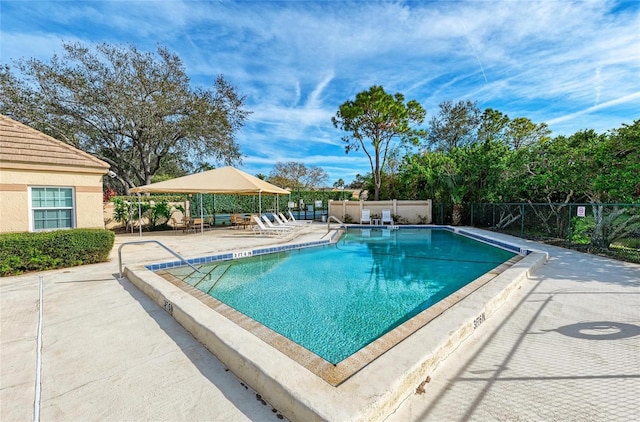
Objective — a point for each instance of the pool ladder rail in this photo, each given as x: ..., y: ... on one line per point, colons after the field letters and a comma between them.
x: 158, y: 243
x: 334, y: 218
x: 220, y: 270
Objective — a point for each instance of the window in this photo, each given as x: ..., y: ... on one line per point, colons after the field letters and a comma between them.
x: 52, y: 208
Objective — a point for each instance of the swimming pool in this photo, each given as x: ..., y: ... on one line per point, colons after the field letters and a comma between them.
x: 367, y: 385
x: 336, y: 299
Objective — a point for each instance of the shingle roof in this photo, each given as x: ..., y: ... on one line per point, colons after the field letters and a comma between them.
x: 20, y: 143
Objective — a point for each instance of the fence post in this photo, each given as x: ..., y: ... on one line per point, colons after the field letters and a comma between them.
x: 472, y: 214
x: 569, y: 228
x: 522, y: 221
x: 493, y: 224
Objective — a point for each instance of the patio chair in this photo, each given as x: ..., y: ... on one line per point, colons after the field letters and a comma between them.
x: 365, y: 217
x: 261, y: 229
x: 386, y: 217
x: 292, y: 220
x: 177, y: 225
x: 187, y: 224
x: 280, y: 221
x: 201, y: 224
x: 269, y: 224
x: 237, y: 220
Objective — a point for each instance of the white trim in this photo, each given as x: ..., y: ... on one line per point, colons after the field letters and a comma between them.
x: 32, y: 209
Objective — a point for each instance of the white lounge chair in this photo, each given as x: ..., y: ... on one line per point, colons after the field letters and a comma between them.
x: 279, y: 222
x: 386, y: 217
x: 293, y: 219
x: 260, y: 228
x: 269, y: 224
x: 365, y: 217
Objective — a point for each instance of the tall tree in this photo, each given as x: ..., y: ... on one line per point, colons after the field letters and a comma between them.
x: 493, y: 124
x: 521, y: 132
x: 359, y: 182
x: 379, y: 118
x: 611, y: 163
x: 132, y: 109
x: 455, y: 125
x: 295, y: 174
x: 616, y: 166
x: 389, y: 186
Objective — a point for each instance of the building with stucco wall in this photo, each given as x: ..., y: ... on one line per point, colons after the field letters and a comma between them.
x: 46, y: 184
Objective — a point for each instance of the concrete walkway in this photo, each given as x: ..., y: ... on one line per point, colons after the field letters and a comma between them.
x: 567, y: 348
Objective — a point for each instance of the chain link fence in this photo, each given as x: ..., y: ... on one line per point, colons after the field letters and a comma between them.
x: 582, y: 226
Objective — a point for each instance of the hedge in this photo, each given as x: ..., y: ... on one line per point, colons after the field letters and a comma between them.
x: 229, y: 203
x: 21, y: 252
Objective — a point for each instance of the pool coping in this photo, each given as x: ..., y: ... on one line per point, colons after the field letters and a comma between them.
x: 336, y: 374
x: 374, y: 390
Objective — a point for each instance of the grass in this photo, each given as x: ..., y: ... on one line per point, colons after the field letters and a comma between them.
x: 625, y: 250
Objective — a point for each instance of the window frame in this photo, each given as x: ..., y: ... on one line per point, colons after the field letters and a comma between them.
x: 32, y: 209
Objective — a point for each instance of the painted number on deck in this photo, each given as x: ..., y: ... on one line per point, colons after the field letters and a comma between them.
x: 479, y: 320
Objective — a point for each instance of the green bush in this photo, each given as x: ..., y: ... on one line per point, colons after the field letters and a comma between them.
x: 21, y: 252
x: 582, y: 229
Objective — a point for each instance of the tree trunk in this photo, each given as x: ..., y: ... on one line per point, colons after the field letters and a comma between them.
x: 598, y: 237
x: 457, y: 216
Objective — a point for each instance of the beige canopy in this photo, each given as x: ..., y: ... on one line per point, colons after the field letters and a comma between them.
x: 226, y: 180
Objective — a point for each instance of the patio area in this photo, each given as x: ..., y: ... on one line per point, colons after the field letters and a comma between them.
x: 564, y: 348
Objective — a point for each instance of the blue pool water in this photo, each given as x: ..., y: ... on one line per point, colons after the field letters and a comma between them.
x: 335, y: 299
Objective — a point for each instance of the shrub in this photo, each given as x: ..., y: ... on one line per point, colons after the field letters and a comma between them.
x: 21, y: 252
x: 160, y: 213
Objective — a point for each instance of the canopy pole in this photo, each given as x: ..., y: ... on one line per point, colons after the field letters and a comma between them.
x: 139, y: 216
x: 260, y: 202
x: 201, y: 216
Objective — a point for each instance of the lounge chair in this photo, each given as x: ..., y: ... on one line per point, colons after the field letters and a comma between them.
x: 268, y: 223
x: 386, y: 217
x: 279, y: 222
x: 260, y: 228
x: 292, y: 220
x: 365, y: 217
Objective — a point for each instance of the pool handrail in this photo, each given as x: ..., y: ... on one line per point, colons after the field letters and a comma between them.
x: 331, y: 217
x: 151, y: 241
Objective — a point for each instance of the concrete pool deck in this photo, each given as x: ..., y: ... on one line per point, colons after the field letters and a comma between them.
x: 565, y: 347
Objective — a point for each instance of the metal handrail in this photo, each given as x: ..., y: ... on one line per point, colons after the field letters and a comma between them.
x: 329, y: 218
x: 151, y: 241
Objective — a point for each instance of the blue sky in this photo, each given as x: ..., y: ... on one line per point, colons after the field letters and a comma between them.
x: 571, y: 64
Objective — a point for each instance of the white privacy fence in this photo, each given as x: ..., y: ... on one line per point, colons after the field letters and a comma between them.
x: 403, y: 212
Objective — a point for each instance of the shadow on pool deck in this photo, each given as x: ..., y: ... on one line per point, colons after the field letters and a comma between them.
x: 540, y: 361
x: 211, y: 369
x: 110, y: 353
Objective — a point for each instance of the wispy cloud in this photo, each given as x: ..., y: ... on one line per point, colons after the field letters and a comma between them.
x: 634, y: 99
x: 571, y: 64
